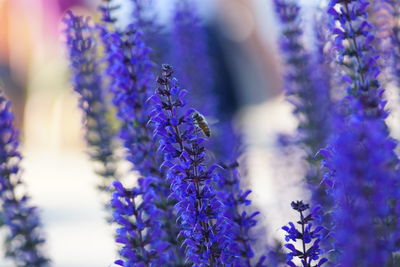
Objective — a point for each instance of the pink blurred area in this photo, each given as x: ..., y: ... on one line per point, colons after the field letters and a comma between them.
x: 27, y: 29
x: 21, y: 18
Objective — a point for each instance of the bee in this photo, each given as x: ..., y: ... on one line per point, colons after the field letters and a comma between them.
x: 201, y: 123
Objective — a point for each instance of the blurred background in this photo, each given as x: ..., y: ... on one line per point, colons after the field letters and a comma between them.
x: 59, y: 176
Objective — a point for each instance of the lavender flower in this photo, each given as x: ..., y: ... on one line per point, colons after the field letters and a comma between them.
x: 24, y: 240
x: 353, y: 40
x: 237, y: 202
x: 130, y: 72
x: 131, y: 208
x: 204, y: 228
x: 310, y: 100
x: 134, y: 224
x: 310, y: 237
x: 360, y: 159
x: 193, y: 63
x: 364, y: 185
x: 309, y: 92
x: 88, y: 85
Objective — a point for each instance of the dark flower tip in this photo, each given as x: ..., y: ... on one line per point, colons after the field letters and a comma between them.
x: 167, y: 70
x: 299, y: 206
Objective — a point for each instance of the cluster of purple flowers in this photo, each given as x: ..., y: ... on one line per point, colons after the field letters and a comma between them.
x: 89, y: 85
x: 130, y: 69
x: 362, y: 165
x: 310, y: 238
x: 361, y: 175
x: 308, y: 91
x: 24, y: 236
x: 204, y: 228
x: 188, y: 206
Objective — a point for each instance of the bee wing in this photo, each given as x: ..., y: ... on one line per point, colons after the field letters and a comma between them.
x: 211, y: 120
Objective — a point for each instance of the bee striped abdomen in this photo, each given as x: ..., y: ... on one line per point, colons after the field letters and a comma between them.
x: 201, y: 122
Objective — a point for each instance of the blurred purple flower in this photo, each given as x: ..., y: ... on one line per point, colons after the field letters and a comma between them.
x: 353, y: 39
x: 364, y: 185
x: 131, y: 81
x: 24, y: 238
x: 309, y: 92
x: 362, y: 168
x: 89, y: 85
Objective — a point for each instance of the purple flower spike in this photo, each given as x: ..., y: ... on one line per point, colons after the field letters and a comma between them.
x: 306, y: 89
x: 309, y: 91
x: 362, y: 167
x: 310, y: 237
x: 88, y: 84
x: 353, y: 41
x: 130, y: 213
x: 133, y: 132
x: 193, y: 63
x: 236, y: 202
x: 24, y: 237
x: 131, y: 82
x: 361, y: 171
x: 130, y: 72
x: 204, y: 228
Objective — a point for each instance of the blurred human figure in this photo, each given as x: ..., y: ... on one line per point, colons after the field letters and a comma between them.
x: 252, y: 59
